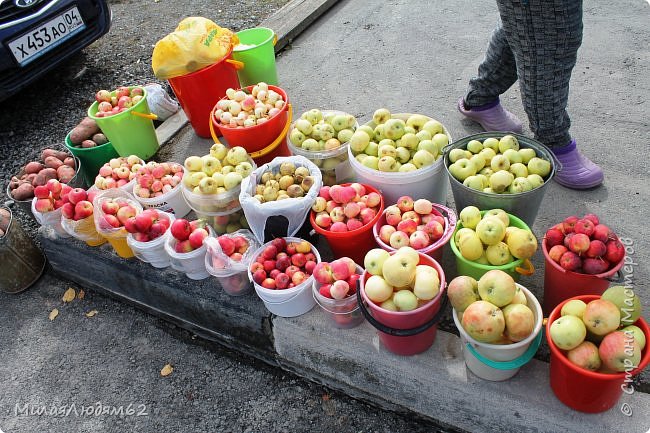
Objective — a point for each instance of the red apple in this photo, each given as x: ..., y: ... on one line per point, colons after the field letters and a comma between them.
x: 274, y: 273
x: 596, y: 249
x: 405, y: 203
x: 143, y: 222
x: 157, y: 229
x: 279, y: 243
x: 309, y: 267
x: 256, y: 266
x: 602, y: 233
x: 196, y: 238
x: 594, y: 266
x: 553, y: 237
x: 325, y: 291
x: 298, y: 277
x: 68, y: 210
x: 291, y: 270
x: 131, y: 226
x: 259, y: 276
x: 180, y: 229
x: 584, y: 226
x: 269, y: 265
x: 183, y: 246
x: 615, y: 251
x: 298, y: 259
x: 593, y: 218
x: 41, y: 191
x: 282, y: 281
x: 570, y: 261
x: 569, y: 223
x: 76, y: 195
x: 270, y: 252
x: 268, y: 283
x: 556, y: 252
x: 283, y: 263
x: 579, y: 243
x: 227, y: 245
x: 125, y: 212
x: 112, y: 221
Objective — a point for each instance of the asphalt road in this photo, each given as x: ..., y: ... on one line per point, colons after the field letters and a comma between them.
x: 56, y: 373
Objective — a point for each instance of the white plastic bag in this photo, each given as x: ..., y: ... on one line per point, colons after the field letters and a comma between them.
x: 50, y: 222
x: 102, y: 226
x: 160, y: 103
x: 219, y: 264
x: 294, y: 210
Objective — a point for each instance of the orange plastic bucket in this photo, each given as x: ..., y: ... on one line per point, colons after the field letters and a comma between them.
x: 436, y: 248
x: 259, y: 137
x: 584, y: 390
x: 355, y: 243
x: 277, y: 148
x: 199, y: 91
x: 560, y: 284
x: 406, y: 332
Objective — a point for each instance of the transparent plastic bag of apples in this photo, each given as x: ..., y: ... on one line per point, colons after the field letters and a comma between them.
x: 231, y: 273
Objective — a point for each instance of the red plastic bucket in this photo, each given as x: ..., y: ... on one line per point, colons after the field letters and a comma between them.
x: 436, y: 248
x: 199, y: 91
x: 277, y: 148
x: 406, y: 332
x: 560, y: 284
x: 355, y: 243
x: 259, y: 137
x: 584, y: 390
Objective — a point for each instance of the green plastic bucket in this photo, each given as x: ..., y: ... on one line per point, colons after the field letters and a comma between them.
x: 476, y: 270
x: 258, y: 58
x: 129, y: 133
x: 91, y: 158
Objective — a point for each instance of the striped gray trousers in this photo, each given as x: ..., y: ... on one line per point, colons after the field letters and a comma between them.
x: 536, y: 41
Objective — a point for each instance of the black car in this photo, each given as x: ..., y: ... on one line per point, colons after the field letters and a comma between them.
x: 37, y: 35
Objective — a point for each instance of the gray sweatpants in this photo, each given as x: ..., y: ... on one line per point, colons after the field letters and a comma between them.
x: 536, y: 41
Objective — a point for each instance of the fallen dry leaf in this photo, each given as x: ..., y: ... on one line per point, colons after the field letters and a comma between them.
x: 69, y: 295
x: 91, y: 313
x: 53, y: 314
x: 81, y: 294
x: 166, y: 370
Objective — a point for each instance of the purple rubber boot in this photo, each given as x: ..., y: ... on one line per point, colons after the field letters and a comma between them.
x: 492, y: 117
x: 577, y: 172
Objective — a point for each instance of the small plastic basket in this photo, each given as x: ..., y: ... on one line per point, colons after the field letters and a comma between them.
x: 192, y: 264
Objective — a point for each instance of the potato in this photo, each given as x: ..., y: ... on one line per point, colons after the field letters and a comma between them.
x: 65, y: 173
x: 53, y: 162
x: 33, y: 167
x: 58, y: 154
x: 50, y: 173
x: 83, y: 131
x: 100, y: 139
x: 69, y: 161
x: 23, y: 192
x: 86, y: 144
x: 40, y: 179
x: 30, y: 177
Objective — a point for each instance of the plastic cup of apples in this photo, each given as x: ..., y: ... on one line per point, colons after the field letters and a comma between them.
x: 186, y: 248
x: 322, y: 136
x: 148, y: 232
x: 211, y: 183
x: 335, y: 288
x: 498, y: 166
x: 229, y: 261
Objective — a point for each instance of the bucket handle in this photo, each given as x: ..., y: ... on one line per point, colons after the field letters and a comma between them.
x: 401, y: 332
x: 515, y: 363
x: 236, y: 64
x: 527, y: 269
x: 259, y: 153
x: 145, y: 115
x: 618, y: 279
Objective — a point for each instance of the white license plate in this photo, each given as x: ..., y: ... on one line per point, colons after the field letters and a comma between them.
x: 41, y: 39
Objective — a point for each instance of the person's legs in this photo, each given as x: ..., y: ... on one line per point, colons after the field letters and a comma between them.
x: 544, y: 36
x: 496, y: 73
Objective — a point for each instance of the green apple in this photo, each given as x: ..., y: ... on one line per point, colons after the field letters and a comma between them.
x: 218, y: 150
x: 464, y: 231
x: 339, y: 122
x: 405, y: 300
x: 440, y: 140
x: 367, y: 129
x: 218, y: 177
x: 508, y: 142
x: 311, y: 145
x: 429, y: 146
x: 498, y: 254
x: 210, y: 164
x: 297, y: 137
x: 235, y: 155
x: 361, y: 157
x: 426, y: 285
x: 423, y: 158
x: 513, y: 156
x: 399, y: 270
x: 499, y: 213
x: 462, y: 292
x: 193, y: 163
x: 417, y: 121
x: 372, y: 149
x: 474, y: 182
x: 635, y: 333
x: 474, y: 146
x: 567, y: 332
x: 387, y: 163
x: 491, y: 143
x: 394, y: 128
x: 232, y: 180
x: 470, y: 245
x: 462, y: 169
x: 497, y: 287
x: 486, y: 171
x: 456, y: 154
x: 488, y: 154
x: 244, y: 169
x: 499, y: 162
x: 433, y: 127
x: 195, y: 178
x: 379, y: 132
x: 527, y: 154
x: 380, y: 116
x: 627, y: 302
x: 409, y: 130
x: 377, y: 289
x: 371, y: 162
x: 386, y: 150
x: 389, y: 305
x: 500, y: 181
x: 519, y: 184
x: 359, y: 140
x: 518, y: 169
x: 535, y: 180
x: 539, y: 166
x: 488, y: 190
x: 423, y: 135
x: 374, y: 260
x: 345, y: 135
x: 520, y: 297
x: 403, y: 155
x: 482, y: 260
x: 574, y: 307
x: 304, y: 126
x: 208, y: 185
x: 522, y: 243
x: 409, y: 141
x: 484, y: 180
x: 407, y: 167
x: 490, y: 230
x: 478, y: 161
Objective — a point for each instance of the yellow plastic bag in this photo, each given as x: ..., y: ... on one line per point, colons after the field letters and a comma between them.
x: 195, y: 43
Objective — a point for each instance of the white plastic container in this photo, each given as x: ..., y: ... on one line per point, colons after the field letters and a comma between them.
x: 232, y: 275
x: 429, y: 182
x: 152, y: 252
x: 171, y: 202
x: 50, y: 222
x: 333, y: 164
x: 192, y: 263
x: 497, y: 362
x: 287, y: 302
x: 342, y: 313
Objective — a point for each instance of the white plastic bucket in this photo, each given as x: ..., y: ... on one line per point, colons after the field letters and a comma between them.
x: 50, y: 221
x: 152, y: 252
x: 171, y: 202
x: 342, y: 313
x: 287, y: 302
x: 192, y: 263
x: 429, y: 182
x: 497, y: 362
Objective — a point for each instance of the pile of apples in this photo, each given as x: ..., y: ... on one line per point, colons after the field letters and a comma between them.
x: 601, y: 335
x: 584, y: 245
x: 78, y: 203
x: 316, y: 131
x: 490, y: 240
x: 397, y: 281
x: 283, y: 265
x: 342, y: 208
x: 148, y: 225
x: 338, y: 279
x: 289, y: 182
x: 50, y: 196
x: 411, y: 223
x: 118, y: 172
x: 116, y: 211
x: 239, y: 109
x: 398, y: 145
x: 109, y: 104
x: 493, y: 309
x: 189, y: 235
x: 221, y: 170
x: 154, y: 179
x: 499, y: 166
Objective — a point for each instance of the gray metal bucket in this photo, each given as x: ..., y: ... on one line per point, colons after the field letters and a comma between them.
x: 21, y: 262
x: 524, y: 205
